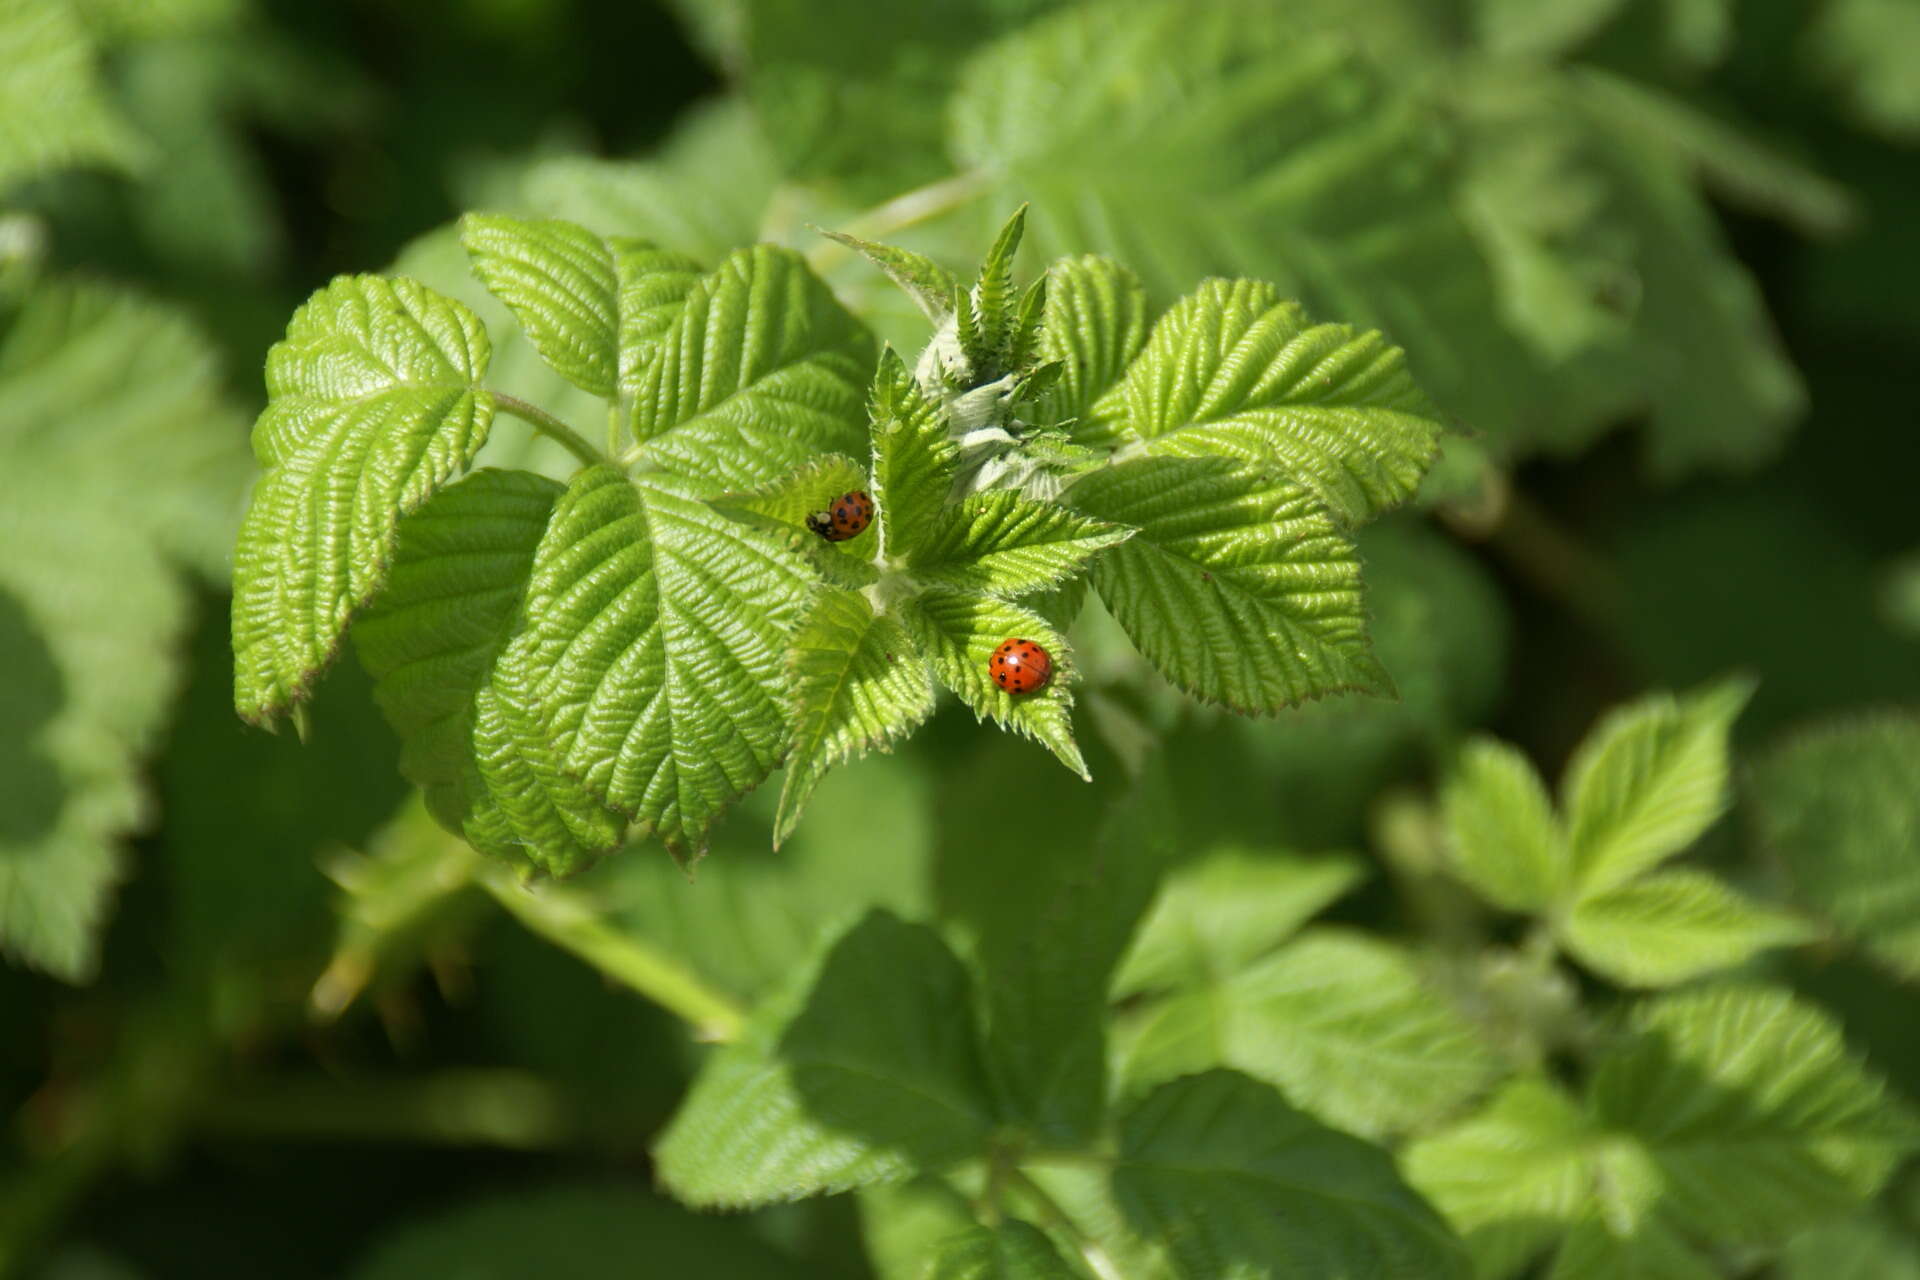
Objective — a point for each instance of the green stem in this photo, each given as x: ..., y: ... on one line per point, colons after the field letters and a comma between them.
x: 1052, y: 1215
x: 903, y: 211
x: 549, y: 426
x: 569, y: 923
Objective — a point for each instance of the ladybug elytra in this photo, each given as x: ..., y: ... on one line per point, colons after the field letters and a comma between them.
x: 1020, y: 666
x: 846, y: 517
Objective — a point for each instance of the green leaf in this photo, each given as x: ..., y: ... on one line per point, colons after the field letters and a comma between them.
x: 373, y: 403
x: 1230, y: 1180
x: 583, y: 1231
x: 781, y: 508
x: 1341, y: 1023
x: 859, y: 682
x: 958, y: 632
x: 1671, y: 926
x: 1216, y: 915
x: 654, y: 650
x: 1234, y: 370
x: 1000, y: 542
x: 1857, y: 1250
x: 903, y: 1225
x: 1237, y: 587
x: 1040, y: 880
x: 1838, y: 805
x: 1502, y: 834
x: 53, y: 112
x: 1647, y: 781
x: 1013, y: 1250
x: 932, y: 287
x: 913, y: 459
x: 1095, y: 324
x: 590, y: 306
x: 434, y: 642
x: 1864, y: 49
x: 761, y: 370
x: 861, y: 1071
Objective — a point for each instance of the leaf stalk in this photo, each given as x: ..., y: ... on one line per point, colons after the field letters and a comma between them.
x: 549, y: 426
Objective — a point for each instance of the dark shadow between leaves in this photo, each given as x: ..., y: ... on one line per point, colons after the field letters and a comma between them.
x: 31, y: 695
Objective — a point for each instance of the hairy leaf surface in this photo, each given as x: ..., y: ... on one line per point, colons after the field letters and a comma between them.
x: 1000, y: 542
x: 913, y: 460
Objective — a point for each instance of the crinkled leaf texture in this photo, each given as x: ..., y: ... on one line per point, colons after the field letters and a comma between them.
x: 1729, y: 1116
x: 1237, y: 586
x: 1229, y: 1180
x: 1000, y: 542
x: 434, y: 641
x: 1013, y: 1250
x: 652, y: 654
x: 862, y: 1070
x: 373, y: 403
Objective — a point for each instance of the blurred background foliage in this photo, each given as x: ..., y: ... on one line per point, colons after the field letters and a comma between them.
x: 1654, y: 257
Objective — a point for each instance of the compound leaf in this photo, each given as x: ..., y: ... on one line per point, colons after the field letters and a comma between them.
x: 1670, y: 926
x: 1234, y: 370
x: 1230, y: 1180
x: 373, y: 403
x: 861, y: 1070
x: 1502, y: 834
x: 1840, y: 807
x: 761, y: 369
x: 1237, y: 586
x: 1001, y: 542
x: 858, y: 681
x: 654, y: 649
x: 1095, y: 324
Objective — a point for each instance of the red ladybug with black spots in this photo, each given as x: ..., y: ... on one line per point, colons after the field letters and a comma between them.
x: 1020, y: 666
x: 846, y: 517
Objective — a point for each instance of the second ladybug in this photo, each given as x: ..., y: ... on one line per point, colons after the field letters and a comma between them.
x: 846, y: 517
x: 1020, y: 666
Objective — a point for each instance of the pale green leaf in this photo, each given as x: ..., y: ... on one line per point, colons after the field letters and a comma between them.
x: 1513, y: 1178
x: 1229, y: 1180
x: 1864, y: 50
x: 1647, y: 781
x: 760, y: 370
x: 1860, y: 1249
x: 654, y: 650
x: 581, y: 1231
x: 1000, y: 542
x: 903, y: 1225
x: 53, y: 111
x: 1670, y: 926
x: 1840, y: 805
x: 858, y: 682
x: 373, y: 403
x: 1340, y: 1023
x: 913, y: 459
x: 1095, y: 324
x: 1235, y: 370
x: 433, y: 643
x: 932, y: 287
x: 1503, y: 837
x: 1237, y: 586
x: 590, y: 306
x: 861, y: 1071
x: 958, y: 632
x: 1214, y: 916
x: 781, y: 508
x: 1012, y: 1250
x: 1654, y: 1250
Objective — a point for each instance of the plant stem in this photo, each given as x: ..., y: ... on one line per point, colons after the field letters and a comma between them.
x: 1052, y: 1215
x: 568, y: 922
x: 549, y: 426
x: 903, y: 211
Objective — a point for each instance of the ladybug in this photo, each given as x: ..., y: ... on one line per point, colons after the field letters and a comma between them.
x: 847, y: 517
x: 1020, y: 666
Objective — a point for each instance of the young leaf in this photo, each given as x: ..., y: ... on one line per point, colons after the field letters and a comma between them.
x: 1094, y: 325
x: 761, y: 370
x: 1340, y: 1023
x: 656, y: 629
x: 1502, y: 833
x: 958, y: 632
x: 1647, y: 781
x: 1228, y: 1179
x: 988, y: 340
x: 1234, y: 370
x: 1236, y: 587
x: 434, y: 642
x: 862, y: 1070
x: 590, y: 306
x: 1013, y: 1250
x: 1000, y: 542
x: 1671, y: 926
x: 1216, y: 915
x: 913, y: 460
x: 931, y: 286
x: 373, y: 403
x: 1839, y: 805
x: 859, y: 682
